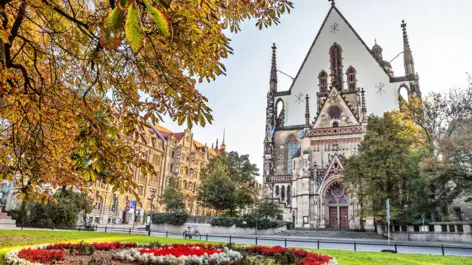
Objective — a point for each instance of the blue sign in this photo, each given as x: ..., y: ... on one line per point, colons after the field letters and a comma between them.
x: 132, y: 206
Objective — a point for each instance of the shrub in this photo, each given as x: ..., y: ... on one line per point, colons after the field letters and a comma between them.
x: 223, y: 221
x: 178, y: 218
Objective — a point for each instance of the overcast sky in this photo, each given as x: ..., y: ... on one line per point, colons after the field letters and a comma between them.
x: 440, y: 34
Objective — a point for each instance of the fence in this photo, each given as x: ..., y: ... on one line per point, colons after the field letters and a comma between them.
x: 354, y: 245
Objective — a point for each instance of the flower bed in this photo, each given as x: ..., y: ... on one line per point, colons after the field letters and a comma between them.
x: 156, y: 254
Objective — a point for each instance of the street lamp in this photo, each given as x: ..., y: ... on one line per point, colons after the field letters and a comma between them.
x: 405, y: 207
x: 153, y: 194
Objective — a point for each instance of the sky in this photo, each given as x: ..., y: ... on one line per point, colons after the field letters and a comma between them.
x: 440, y: 36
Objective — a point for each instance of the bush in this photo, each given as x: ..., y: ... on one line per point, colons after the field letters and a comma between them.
x: 178, y: 218
x: 245, y: 222
x: 223, y: 221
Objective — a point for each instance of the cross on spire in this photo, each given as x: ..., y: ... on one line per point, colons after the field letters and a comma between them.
x: 332, y: 2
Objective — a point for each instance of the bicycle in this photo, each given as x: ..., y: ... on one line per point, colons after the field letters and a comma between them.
x: 189, y: 234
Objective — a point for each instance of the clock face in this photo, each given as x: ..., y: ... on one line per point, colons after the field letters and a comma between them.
x: 334, y: 112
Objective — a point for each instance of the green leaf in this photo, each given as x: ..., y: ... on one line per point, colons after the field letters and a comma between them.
x: 87, y: 175
x: 133, y: 29
x: 159, y: 18
x: 92, y: 175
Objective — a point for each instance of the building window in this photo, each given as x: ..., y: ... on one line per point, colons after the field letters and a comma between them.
x: 277, y: 191
x: 335, y: 124
x: 292, y: 148
x: 282, y: 193
x: 323, y: 81
x: 335, y: 55
x: 351, y: 78
x: 334, y: 112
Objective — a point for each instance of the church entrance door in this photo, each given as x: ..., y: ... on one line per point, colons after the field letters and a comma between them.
x: 333, y: 217
x: 343, y: 216
x: 338, y: 207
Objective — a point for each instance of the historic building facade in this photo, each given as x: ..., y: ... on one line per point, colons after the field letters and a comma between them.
x: 322, y: 118
x: 176, y: 155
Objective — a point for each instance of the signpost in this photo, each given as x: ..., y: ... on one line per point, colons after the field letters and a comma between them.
x: 388, y: 219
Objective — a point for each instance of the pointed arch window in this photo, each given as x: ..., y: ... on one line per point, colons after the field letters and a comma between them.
x: 292, y: 148
x: 351, y: 78
x: 335, y: 55
x: 282, y: 193
x: 277, y: 191
x: 323, y: 81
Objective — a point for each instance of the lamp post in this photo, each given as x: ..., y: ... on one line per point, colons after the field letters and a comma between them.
x: 405, y: 207
x: 153, y: 194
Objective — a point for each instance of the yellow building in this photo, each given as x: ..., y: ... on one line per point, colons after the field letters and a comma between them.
x: 176, y: 155
x: 110, y: 207
x: 185, y: 159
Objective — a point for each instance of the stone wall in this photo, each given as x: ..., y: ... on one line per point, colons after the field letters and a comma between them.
x: 212, y: 230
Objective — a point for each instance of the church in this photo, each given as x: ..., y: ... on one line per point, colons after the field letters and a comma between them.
x: 322, y: 117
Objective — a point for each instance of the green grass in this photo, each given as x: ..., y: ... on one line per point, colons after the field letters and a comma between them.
x: 14, y: 239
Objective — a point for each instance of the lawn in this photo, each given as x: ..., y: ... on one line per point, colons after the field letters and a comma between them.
x: 12, y: 239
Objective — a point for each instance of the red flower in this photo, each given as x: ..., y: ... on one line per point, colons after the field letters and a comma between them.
x: 40, y: 255
x: 178, y: 250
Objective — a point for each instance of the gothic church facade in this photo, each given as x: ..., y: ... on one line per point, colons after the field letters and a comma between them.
x: 323, y: 117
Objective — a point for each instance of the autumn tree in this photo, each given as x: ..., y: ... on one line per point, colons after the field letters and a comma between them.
x: 79, y: 78
x: 448, y: 117
x: 228, y: 183
x: 386, y: 166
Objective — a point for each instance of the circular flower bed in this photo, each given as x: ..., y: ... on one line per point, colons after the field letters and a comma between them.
x: 156, y: 254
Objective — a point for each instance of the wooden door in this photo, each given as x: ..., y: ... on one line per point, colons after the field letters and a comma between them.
x: 344, y: 217
x: 333, y: 217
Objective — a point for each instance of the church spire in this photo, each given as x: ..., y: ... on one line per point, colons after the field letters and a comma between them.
x: 307, y: 111
x: 216, y: 147
x: 407, y: 54
x: 273, y: 70
x: 223, y: 145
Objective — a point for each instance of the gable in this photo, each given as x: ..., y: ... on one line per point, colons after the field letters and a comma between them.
x: 380, y: 93
x: 335, y: 101
x: 335, y: 168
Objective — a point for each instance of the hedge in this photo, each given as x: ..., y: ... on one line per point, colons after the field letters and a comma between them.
x: 169, y: 218
x: 245, y: 222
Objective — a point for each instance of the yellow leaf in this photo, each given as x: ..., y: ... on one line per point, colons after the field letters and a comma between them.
x: 159, y: 18
x: 133, y: 29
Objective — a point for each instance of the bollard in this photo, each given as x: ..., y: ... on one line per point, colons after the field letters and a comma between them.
x: 318, y: 244
x: 206, y: 237
x: 256, y: 240
x: 355, y: 246
x: 285, y: 242
x: 167, y: 233
x: 79, y: 228
x: 105, y: 229
x: 130, y: 230
x: 396, y: 251
x: 442, y: 248
x: 149, y: 231
x: 230, y: 239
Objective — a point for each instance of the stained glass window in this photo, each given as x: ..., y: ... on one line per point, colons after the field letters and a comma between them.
x: 292, y: 148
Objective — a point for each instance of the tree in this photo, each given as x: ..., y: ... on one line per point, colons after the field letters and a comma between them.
x: 386, y: 165
x: 173, y: 198
x: 64, y: 212
x: 268, y: 209
x: 445, y: 170
x: 70, y: 69
x: 227, y: 183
